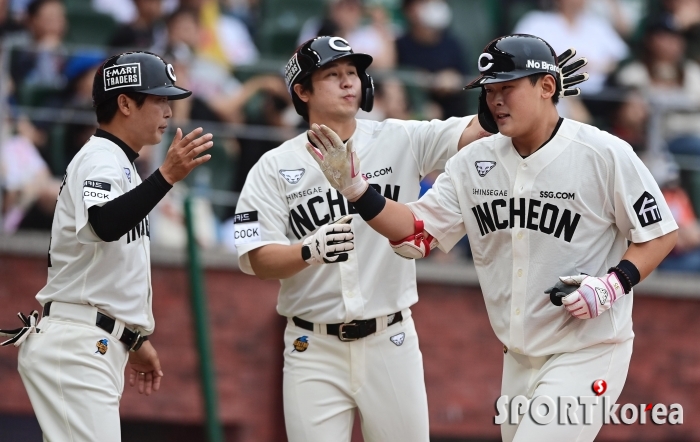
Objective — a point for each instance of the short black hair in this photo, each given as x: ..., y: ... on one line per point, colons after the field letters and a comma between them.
x: 106, y: 110
x: 536, y: 77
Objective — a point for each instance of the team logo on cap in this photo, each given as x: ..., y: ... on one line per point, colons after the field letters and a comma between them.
x: 485, y: 67
x: 301, y: 344
x: 484, y: 167
x: 124, y: 75
x: 344, y: 46
x: 292, y: 176
x: 398, y: 339
x: 292, y: 70
x: 102, y: 346
x: 171, y: 72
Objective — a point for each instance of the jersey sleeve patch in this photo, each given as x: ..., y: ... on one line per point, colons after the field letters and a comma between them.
x: 647, y: 210
x: 246, y: 228
x: 96, y: 191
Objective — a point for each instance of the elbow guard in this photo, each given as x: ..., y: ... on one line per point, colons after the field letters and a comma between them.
x: 415, y: 246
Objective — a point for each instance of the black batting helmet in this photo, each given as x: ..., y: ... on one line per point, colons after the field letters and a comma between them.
x: 509, y: 58
x: 142, y: 72
x: 318, y: 52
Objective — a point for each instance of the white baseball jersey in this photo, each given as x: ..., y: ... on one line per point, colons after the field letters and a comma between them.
x: 286, y: 197
x: 112, y: 276
x: 569, y: 208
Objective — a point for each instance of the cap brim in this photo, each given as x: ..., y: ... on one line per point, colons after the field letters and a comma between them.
x: 498, y: 77
x: 172, y: 92
x: 362, y: 61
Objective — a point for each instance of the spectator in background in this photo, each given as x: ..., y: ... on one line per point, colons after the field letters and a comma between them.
x: 671, y: 81
x: 224, y: 39
x: 146, y: 31
x: 427, y: 45
x: 39, y: 60
x: 686, y: 18
x: 8, y: 25
x: 30, y: 191
x: 344, y: 19
x: 685, y: 256
x: 629, y: 120
x: 124, y: 11
x: 77, y: 101
x: 390, y: 101
x: 211, y: 82
x: 623, y: 15
x: 570, y: 26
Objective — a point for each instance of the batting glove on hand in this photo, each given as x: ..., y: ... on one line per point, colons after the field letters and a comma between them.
x: 567, y: 78
x: 330, y: 243
x: 415, y: 246
x: 593, y: 296
x: 338, y: 162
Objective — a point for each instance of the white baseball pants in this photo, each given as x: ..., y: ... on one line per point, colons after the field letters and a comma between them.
x: 74, y: 388
x: 380, y: 375
x: 565, y: 374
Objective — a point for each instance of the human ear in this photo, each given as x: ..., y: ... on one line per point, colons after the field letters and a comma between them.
x: 301, y: 93
x: 549, y: 86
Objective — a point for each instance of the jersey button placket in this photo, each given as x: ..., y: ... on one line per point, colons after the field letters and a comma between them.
x: 350, y: 286
x: 520, y: 246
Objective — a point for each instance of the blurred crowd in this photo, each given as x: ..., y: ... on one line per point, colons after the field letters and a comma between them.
x: 644, y: 87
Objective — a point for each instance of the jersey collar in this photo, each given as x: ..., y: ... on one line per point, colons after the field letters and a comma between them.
x: 129, y: 152
x: 554, y: 132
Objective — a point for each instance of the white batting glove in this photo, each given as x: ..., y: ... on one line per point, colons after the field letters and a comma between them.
x: 330, y: 243
x: 338, y: 162
x: 594, y: 295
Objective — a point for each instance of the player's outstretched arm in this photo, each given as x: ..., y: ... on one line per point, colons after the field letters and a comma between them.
x: 112, y: 220
x: 341, y: 166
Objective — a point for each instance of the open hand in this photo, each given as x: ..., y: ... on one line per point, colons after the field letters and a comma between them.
x: 338, y: 162
x: 183, y: 153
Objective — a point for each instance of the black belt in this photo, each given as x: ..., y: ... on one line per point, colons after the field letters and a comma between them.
x: 132, y: 339
x: 349, y: 331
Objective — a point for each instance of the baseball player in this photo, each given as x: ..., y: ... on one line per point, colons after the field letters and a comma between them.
x: 544, y: 201
x: 350, y: 342
x: 97, y: 301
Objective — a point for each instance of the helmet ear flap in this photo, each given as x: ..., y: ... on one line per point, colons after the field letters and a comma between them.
x: 367, y: 102
x: 485, y: 118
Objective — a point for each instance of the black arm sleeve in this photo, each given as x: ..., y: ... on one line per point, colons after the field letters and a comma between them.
x: 112, y: 220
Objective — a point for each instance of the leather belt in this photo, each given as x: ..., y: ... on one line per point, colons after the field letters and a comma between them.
x: 132, y: 339
x: 349, y: 331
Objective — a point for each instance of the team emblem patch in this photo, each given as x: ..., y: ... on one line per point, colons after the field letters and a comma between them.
x: 127, y: 171
x: 301, y: 344
x: 102, y: 345
x: 398, y: 339
x: 483, y: 167
x: 292, y: 176
x: 124, y: 75
x: 647, y: 210
x: 602, y: 295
